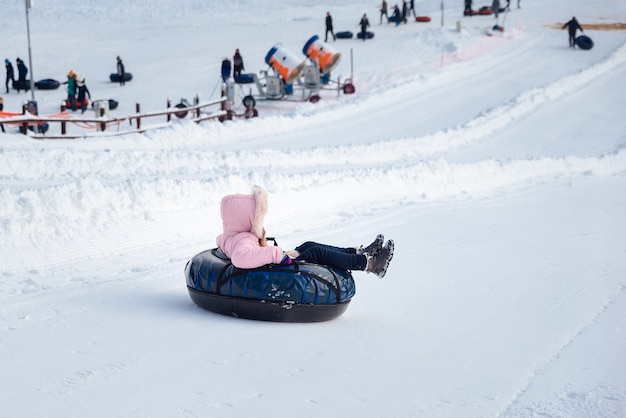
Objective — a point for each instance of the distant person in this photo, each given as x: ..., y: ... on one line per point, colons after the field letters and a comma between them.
x: 365, y: 23
x: 383, y: 12
x: 71, y: 89
x: 411, y: 8
x: 495, y: 7
x: 572, y: 27
x: 518, y: 6
x: 405, y: 11
x: 468, y: 8
x: 83, y: 93
x: 238, y: 66
x: 225, y: 69
x: 10, y: 74
x: 329, y: 27
x: 121, y: 71
x: 1, y: 109
x: 21, y: 75
x: 395, y: 16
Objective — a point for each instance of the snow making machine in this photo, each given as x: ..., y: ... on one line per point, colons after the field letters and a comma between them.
x: 290, y: 77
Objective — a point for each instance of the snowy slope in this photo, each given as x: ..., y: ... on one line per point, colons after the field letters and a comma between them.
x: 497, y: 164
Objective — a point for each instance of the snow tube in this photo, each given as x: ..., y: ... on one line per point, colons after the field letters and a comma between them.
x: 21, y: 85
x: 584, y: 42
x: 112, y: 103
x: 344, y: 35
x: 78, y: 103
x: 485, y: 10
x: 47, y: 84
x: 114, y: 77
x: 368, y: 35
x: 244, y: 78
x: 422, y: 18
x: 300, y: 292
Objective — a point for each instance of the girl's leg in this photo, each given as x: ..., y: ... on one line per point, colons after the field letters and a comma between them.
x: 345, y: 258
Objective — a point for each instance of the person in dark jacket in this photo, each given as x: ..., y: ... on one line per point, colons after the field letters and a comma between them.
x: 411, y: 8
x: 365, y: 23
x: 383, y: 11
x: 468, y: 8
x: 329, y: 27
x: 1, y: 109
x: 83, y: 93
x: 395, y: 16
x: 238, y: 66
x: 495, y: 7
x: 10, y: 73
x: 121, y: 71
x: 21, y: 75
x: 225, y: 69
x: 405, y: 11
x: 572, y: 26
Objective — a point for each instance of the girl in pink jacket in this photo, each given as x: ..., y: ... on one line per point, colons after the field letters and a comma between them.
x: 243, y: 240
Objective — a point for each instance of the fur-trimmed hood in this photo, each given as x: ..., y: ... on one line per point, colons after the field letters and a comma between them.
x: 242, y: 221
x: 244, y: 213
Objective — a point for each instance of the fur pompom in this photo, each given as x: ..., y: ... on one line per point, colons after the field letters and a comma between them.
x: 260, y: 197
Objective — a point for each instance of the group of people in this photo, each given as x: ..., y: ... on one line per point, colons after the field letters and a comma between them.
x: 495, y: 7
x: 21, y: 83
x: 398, y: 15
x: 364, y: 23
x: 77, y: 91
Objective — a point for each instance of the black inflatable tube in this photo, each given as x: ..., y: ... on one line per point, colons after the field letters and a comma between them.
x: 114, y: 77
x: 112, y: 103
x: 584, y: 42
x: 368, y: 35
x: 262, y: 310
x: 47, y: 84
x: 301, y: 292
x: 344, y: 35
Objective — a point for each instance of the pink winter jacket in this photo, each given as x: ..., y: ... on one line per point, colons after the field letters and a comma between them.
x: 242, y: 220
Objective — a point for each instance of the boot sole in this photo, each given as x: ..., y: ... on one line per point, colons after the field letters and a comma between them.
x: 391, y: 247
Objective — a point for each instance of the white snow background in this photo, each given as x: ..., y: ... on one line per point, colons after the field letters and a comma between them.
x: 497, y: 164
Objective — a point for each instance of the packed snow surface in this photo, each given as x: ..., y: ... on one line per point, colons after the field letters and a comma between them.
x: 495, y: 160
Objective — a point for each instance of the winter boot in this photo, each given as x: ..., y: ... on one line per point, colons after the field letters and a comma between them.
x: 379, y: 263
x: 374, y: 247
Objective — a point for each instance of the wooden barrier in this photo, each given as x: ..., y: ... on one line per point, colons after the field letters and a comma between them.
x: 102, y: 123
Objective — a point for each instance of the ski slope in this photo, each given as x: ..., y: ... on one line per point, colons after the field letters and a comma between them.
x: 497, y: 165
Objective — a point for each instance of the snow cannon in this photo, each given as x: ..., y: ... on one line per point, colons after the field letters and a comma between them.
x: 322, y: 53
x: 286, y: 64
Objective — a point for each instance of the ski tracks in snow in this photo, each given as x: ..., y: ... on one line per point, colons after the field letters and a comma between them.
x: 601, y: 401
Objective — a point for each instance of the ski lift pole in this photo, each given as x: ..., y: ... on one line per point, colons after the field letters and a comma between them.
x: 351, y: 65
x: 29, y: 4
